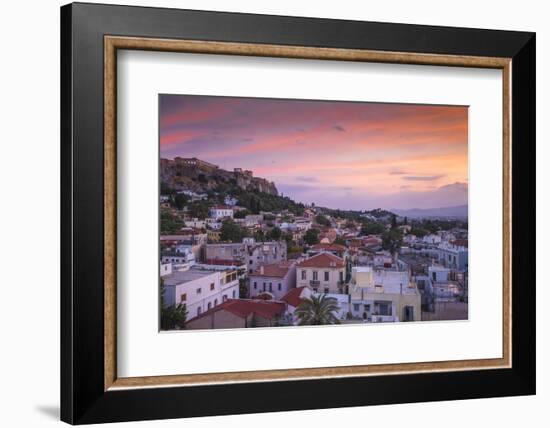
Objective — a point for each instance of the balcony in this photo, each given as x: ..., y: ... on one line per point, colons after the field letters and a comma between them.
x: 314, y: 283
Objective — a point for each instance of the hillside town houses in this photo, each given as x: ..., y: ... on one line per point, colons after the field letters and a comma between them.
x: 234, y: 253
x: 261, y: 279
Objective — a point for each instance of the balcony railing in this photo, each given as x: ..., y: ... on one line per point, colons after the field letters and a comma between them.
x: 314, y: 283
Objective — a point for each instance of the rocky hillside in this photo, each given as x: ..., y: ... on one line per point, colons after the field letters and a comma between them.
x: 199, y: 176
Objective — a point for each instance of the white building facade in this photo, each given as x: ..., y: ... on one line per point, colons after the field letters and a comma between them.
x: 200, y: 289
x: 221, y: 211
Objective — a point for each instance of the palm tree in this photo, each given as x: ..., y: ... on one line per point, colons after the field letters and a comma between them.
x: 317, y: 310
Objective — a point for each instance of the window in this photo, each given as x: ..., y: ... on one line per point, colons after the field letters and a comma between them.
x: 183, y: 297
x: 356, y: 307
x: 212, y: 286
x: 315, y: 275
x: 326, y: 276
x: 367, y: 308
x: 270, y: 287
x: 209, y: 305
x: 199, y: 291
x: 255, y: 285
x: 199, y: 310
x: 303, y: 274
x: 341, y: 276
x: 326, y: 290
x: 279, y: 287
x: 384, y: 309
x: 233, y: 294
x: 250, y: 262
x: 215, y: 302
x: 408, y: 313
x: 264, y: 286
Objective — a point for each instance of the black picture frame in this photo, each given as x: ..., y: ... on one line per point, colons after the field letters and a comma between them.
x: 83, y: 399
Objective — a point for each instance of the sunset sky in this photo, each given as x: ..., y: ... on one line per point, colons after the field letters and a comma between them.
x: 336, y: 154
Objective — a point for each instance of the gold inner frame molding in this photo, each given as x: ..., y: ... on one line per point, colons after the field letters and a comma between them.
x: 113, y: 43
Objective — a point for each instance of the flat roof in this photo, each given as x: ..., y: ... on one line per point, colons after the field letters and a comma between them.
x: 180, y: 277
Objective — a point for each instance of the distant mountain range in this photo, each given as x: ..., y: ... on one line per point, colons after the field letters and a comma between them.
x: 459, y: 211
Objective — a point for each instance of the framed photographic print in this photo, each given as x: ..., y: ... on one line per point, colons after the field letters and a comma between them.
x: 277, y: 213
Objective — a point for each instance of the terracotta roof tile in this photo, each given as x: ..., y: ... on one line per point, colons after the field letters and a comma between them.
x: 243, y: 308
x: 329, y: 247
x: 323, y: 260
x: 274, y: 270
x: 294, y: 296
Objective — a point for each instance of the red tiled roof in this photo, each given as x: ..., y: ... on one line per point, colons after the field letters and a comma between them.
x: 323, y: 260
x: 371, y: 240
x: 278, y: 270
x: 221, y: 262
x: 293, y: 297
x: 329, y: 247
x: 243, y: 308
x: 460, y: 242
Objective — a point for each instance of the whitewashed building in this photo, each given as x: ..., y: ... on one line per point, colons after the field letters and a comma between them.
x: 200, y: 289
x: 380, y: 295
x: 453, y: 256
x: 183, y: 256
x: 431, y: 239
x: 195, y: 223
x: 221, y: 211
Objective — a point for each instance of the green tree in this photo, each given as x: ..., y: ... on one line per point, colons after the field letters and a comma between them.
x: 349, y: 224
x: 165, y: 189
x: 317, y: 310
x: 241, y: 213
x: 180, y: 200
x: 289, y: 239
x: 275, y: 233
x: 294, y: 249
x: 259, y: 236
x: 340, y: 241
x: 393, y: 221
x: 169, y: 222
x: 231, y: 231
x: 419, y: 232
x: 172, y: 317
x: 392, y: 240
x: 199, y: 209
x: 372, y: 228
x: 311, y: 237
x: 322, y: 220
x: 243, y: 288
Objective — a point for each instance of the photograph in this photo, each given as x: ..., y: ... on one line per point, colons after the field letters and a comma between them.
x: 291, y: 212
